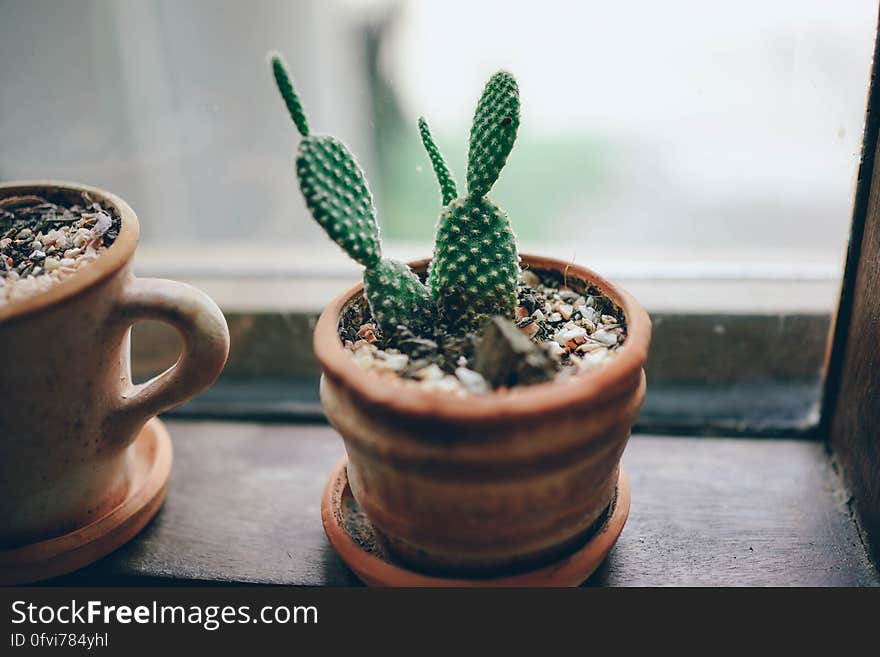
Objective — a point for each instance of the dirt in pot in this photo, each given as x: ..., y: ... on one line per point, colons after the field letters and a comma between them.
x: 47, y: 237
x: 562, y: 326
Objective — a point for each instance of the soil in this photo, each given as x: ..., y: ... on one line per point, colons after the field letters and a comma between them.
x: 570, y: 324
x: 46, y: 238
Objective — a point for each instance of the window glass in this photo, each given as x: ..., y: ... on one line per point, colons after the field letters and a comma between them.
x: 678, y: 131
x: 704, y: 155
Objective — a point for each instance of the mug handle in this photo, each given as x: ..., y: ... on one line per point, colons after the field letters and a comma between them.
x: 202, y: 356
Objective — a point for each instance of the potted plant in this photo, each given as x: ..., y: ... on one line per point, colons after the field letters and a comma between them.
x: 84, y: 462
x: 484, y: 397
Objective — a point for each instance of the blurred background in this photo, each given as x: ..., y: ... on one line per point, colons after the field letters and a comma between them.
x: 675, y: 131
x: 702, y: 154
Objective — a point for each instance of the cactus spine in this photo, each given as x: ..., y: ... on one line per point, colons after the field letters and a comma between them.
x: 475, y: 265
x: 337, y: 195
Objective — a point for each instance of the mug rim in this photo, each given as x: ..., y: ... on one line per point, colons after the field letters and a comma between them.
x: 85, y: 278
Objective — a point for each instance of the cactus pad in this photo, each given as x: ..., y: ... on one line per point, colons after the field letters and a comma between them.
x: 475, y: 266
x: 337, y: 195
x: 493, y: 132
x: 448, y: 191
x: 397, y: 297
x: 291, y: 99
x: 339, y: 199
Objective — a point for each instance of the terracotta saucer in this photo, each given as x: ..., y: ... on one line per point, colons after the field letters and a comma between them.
x: 355, y: 541
x: 151, y: 468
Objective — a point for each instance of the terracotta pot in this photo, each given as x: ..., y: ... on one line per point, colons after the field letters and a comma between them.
x: 68, y: 408
x: 489, y: 483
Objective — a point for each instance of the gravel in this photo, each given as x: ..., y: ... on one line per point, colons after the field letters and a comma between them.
x: 578, y: 327
x: 44, y: 241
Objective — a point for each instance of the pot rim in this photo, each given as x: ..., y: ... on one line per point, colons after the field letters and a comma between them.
x: 107, y: 264
x: 392, y: 393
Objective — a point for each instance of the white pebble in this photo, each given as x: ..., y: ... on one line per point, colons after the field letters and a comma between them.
x: 363, y: 357
x: 445, y: 383
x: 589, y: 314
x: 471, y: 380
x: 395, y: 362
x: 555, y: 349
x: 566, y: 334
x: 593, y: 359
x: 82, y: 237
x: 102, y: 225
x: 430, y: 373
x: 605, y: 337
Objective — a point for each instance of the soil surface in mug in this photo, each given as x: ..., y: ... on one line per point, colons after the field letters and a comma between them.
x: 46, y: 238
x: 562, y: 327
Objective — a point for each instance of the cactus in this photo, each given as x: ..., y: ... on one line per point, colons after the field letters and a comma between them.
x: 337, y: 195
x: 496, y: 121
x: 475, y: 265
x: 448, y: 190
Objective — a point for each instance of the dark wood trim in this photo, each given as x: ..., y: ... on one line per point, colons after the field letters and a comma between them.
x: 851, y: 402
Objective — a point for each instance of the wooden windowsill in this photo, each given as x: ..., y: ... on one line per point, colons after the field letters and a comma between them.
x: 244, y: 506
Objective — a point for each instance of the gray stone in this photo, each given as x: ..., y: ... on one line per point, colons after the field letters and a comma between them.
x: 506, y: 357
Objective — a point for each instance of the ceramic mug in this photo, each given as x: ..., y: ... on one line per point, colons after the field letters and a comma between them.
x: 69, y: 411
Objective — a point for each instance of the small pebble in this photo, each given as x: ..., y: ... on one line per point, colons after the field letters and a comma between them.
x: 445, y: 383
x: 567, y: 334
x: 431, y: 372
x: 588, y: 314
x: 608, y: 338
x: 395, y: 362
x: 593, y: 359
x: 531, y: 329
x: 555, y: 349
x: 565, y: 310
x: 566, y: 322
x: 471, y: 380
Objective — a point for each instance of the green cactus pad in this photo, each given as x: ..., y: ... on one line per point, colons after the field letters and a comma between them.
x: 339, y: 199
x: 475, y: 266
x: 337, y: 195
x: 448, y: 191
x: 291, y: 99
x: 493, y: 132
x: 397, y: 297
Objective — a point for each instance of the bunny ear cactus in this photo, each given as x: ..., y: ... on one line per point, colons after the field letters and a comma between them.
x: 475, y: 265
x: 337, y: 195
